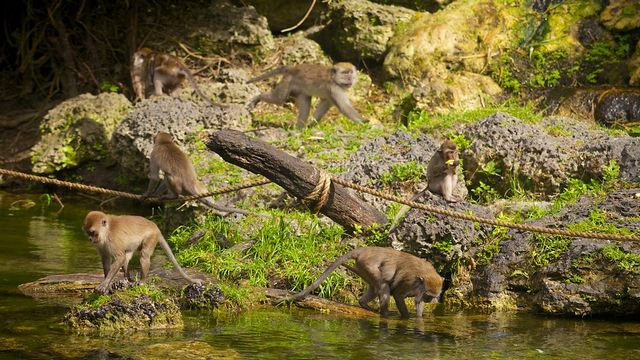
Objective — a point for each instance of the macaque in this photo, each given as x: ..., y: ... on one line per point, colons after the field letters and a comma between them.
x: 329, y: 83
x: 388, y: 272
x: 117, y: 237
x: 442, y: 175
x: 179, y: 174
x: 163, y: 71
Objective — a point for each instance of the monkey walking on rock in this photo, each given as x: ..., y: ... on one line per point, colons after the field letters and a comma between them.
x: 388, y: 272
x: 162, y: 71
x: 117, y: 237
x: 304, y: 81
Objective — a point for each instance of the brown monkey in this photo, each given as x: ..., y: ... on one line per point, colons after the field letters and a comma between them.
x: 179, y: 174
x: 442, y: 174
x: 163, y: 71
x: 117, y: 237
x: 329, y: 83
x: 388, y: 272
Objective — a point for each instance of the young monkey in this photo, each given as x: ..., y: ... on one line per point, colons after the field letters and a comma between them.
x: 303, y: 81
x: 179, y: 174
x: 163, y: 71
x: 117, y: 237
x: 388, y: 272
x: 442, y: 171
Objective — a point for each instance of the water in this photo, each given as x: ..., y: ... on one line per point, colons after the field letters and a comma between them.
x: 39, y: 241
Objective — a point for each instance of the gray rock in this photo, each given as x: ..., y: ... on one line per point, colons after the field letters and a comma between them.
x: 443, y: 240
x: 78, y: 130
x: 543, y: 157
x: 360, y: 30
x: 225, y: 28
x: 133, y: 139
x: 577, y: 277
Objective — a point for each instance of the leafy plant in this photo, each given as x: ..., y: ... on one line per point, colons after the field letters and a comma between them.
x: 410, y: 170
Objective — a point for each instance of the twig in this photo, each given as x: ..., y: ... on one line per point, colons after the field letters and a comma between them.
x: 313, y: 3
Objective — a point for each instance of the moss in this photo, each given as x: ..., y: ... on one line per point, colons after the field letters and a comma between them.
x: 628, y: 262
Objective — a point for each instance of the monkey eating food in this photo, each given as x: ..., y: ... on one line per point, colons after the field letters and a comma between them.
x: 388, y: 272
x: 179, y: 174
x: 303, y: 81
x: 162, y: 71
x: 117, y: 237
x: 442, y: 171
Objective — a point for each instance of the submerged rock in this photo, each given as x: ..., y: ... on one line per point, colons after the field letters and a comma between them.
x: 144, y: 312
x: 201, y: 296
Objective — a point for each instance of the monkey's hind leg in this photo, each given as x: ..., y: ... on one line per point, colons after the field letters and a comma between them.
x: 303, y: 102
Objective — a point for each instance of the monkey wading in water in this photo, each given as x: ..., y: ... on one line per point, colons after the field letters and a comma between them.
x: 163, y: 71
x: 179, y: 174
x: 388, y: 272
x: 303, y: 81
x: 117, y: 237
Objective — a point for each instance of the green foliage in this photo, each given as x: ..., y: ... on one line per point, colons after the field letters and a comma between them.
x: 106, y: 86
x: 574, y: 279
x: 545, y: 68
x: 603, y: 53
x: 403, y: 172
x: 492, y: 246
x: 625, y: 261
x: 445, y: 246
x: 484, y: 193
x: 547, y: 248
x: 291, y: 247
x: 501, y: 72
x: 461, y: 141
x: 425, y: 122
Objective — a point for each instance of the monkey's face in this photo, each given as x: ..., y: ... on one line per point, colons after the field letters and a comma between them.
x: 344, y: 74
x: 94, y: 224
x: 450, y: 157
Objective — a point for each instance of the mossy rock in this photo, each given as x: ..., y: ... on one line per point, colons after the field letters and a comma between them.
x: 621, y: 15
x: 125, y: 311
x: 78, y: 130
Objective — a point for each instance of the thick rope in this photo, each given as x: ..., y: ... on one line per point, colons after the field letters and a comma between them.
x: 494, y: 222
x: 319, y: 195
x: 95, y: 189
x: 323, y: 187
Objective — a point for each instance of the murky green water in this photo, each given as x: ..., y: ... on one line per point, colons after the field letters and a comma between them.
x: 39, y: 241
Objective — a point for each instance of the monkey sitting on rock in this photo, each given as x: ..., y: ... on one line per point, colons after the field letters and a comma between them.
x: 304, y: 81
x: 388, y: 272
x: 442, y: 171
x: 117, y: 237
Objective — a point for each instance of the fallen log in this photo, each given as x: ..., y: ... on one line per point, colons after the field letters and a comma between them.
x: 296, y: 176
x: 318, y: 303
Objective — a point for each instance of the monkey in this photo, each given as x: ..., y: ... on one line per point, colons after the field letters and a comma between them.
x: 179, y: 174
x: 388, y: 272
x: 165, y: 72
x: 442, y: 174
x: 303, y: 81
x: 117, y: 237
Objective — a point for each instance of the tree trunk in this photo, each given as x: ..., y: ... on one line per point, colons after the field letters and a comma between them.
x: 296, y: 176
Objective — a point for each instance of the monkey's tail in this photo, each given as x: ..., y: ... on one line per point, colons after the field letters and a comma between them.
x: 169, y: 253
x: 196, y: 87
x: 350, y: 255
x: 277, y: 71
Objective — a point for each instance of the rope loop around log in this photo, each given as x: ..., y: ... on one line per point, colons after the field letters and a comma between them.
x: 320, y: 193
